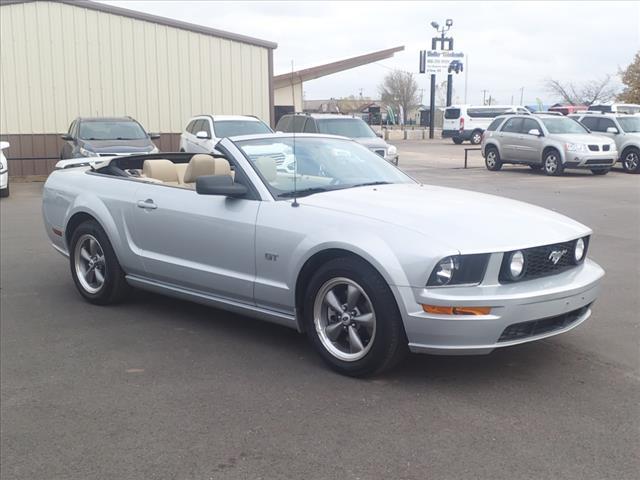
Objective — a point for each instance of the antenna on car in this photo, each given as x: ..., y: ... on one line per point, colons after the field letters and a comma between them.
x: 295, y: 159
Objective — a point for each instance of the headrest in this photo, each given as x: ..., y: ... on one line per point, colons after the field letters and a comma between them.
x: 268, y: 168
x: 202, y: 164
x: 160, y: 169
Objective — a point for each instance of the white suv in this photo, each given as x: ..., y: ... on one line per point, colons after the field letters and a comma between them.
x: 204, y: 131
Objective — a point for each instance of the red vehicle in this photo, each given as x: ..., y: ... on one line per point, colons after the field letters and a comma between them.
x: 567, y: 109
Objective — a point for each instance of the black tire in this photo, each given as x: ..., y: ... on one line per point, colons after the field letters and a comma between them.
x: 476, y: 137
x: 492, y: 159
x: 4, y: 192
x: 114, y: 288
x: 600, y: 171
x: 388, y: 344
x: 457, y: 140
x: 535, y: 167
x: 552, y: 163
x: 631, y: 160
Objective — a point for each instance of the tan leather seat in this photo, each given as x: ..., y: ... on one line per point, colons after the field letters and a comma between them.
x: 162, y: 170
x: 268, y: 168
x: 181, y: 169
x: 202, y: 164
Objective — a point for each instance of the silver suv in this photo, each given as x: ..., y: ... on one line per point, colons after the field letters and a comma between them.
x: 622, y: 129
x: 546, y: 142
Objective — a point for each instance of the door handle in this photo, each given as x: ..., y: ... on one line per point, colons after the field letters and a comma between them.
x: 147, y: 204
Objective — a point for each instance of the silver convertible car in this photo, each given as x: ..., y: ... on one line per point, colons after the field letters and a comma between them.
x: 348, y: 249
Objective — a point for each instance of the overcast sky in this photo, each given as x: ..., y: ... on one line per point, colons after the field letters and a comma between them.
x: 509, y: 44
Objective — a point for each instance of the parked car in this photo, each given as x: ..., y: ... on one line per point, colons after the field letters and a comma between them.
x: 623, y: 129
x: 106, y: 136
x: 549, y: 142
x: 467, y: 122
x: 455, y: 66
x: 4, y: 171
x: 352, y: 251
x: 631, y: 108
x: 204, y: 131
x: 342, y: 125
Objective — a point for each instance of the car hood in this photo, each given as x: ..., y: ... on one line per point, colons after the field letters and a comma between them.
x: 584, y: 138
x: 119, y: 146
x: 372, y: 142
x: 467, y: 221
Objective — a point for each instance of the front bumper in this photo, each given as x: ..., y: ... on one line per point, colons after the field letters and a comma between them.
x: 560, y: 303
x: 585, y: 160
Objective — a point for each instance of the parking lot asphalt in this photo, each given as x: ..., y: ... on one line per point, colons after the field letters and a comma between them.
x: 162, y: 389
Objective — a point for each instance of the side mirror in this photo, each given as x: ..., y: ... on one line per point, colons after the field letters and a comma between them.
x: 154, y: 136
x: 220, y: 185
x: 613, y: 130
x: 202, y: 134
x: 535, y: 132
x: 379, y: 134
x: 66, y: 137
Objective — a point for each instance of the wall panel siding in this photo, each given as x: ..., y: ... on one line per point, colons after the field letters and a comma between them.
x: 61, y: 61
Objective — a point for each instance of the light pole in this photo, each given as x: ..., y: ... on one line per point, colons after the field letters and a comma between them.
x: 443, y: 39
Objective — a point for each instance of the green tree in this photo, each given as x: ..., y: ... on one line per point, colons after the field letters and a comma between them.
x: 631, y: 79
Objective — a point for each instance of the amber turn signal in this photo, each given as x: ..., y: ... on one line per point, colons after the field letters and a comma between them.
x: 456, y: 310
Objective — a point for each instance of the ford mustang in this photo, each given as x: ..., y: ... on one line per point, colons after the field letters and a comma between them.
x: 346, y: 248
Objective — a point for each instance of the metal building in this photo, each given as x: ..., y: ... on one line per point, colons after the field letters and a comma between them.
x: 61, y: 59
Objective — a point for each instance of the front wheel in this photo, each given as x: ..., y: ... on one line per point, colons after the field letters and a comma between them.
x: 552, y: 163
x: 94, y: 266
x: 492, y: 160
x: 631, y: 161
x: 600, y: 171
x: 476, y: 137
x: 352, y: 319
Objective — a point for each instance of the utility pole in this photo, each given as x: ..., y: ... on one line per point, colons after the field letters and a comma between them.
x: 484, y: 94
x: 521, y: 95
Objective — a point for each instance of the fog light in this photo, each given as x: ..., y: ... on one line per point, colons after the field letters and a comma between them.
x: 578, y: 251
x: 516, y: 265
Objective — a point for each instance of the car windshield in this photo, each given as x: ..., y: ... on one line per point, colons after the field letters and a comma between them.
x: 232, y: 128
x: 318, y: 165
x: 345, y: 127
x: 563, y: 125
x: 111, y: 130
x: 630, y: 124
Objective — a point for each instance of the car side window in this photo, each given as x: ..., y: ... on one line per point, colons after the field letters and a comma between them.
x: 310, y: 126
x: 206, y: 126
x: 512, y: 125
x: 298, y: 123
x: 198, y: 127
x: 192, y: 124
x: 72, y: 128
x: 529, y: 124
x: 591, y: 123
x: 605, y: 123
x: 283, y: 124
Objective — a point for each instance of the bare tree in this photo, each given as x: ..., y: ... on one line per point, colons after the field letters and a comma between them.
x: 400, y: 88
x: 586, y: 93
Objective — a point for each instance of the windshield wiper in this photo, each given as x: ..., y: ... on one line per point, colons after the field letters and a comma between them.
x: 368, y: 184
x: 304, y: 192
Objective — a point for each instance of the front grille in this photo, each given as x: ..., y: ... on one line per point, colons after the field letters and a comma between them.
x: 379, y: 152
x: 538, y: 261
x: 598, y: 161
x: 605, y: 148
x: 533, y: 328
x: 594, y: 148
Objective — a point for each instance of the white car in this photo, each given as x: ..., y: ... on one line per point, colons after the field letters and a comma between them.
x: 4, y: 171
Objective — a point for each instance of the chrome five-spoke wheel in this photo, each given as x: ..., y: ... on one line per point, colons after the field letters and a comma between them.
x: 89, y: 263
x: 344, y: 319
x: 631, y: 161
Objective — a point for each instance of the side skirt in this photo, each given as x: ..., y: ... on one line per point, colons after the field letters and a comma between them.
x: 213, y: 301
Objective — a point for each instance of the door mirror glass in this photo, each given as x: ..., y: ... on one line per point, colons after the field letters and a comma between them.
x: 202, y: 134
x: 612, y: 130
x: 535, y: 132
x: 66, y: 137
x: 220, y: 185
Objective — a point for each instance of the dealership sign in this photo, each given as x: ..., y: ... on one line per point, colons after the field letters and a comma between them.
x: 435, y: 62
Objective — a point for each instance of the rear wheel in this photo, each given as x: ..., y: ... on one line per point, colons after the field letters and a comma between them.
x: 600, y: 171
x: 457, y: 140
x: 492, y: 159
x: 631, y: 160
x: 552, y: 163
x: 352, y: 319
x: 476, y: 137
x: 94, y: 266
x: 5, y: 192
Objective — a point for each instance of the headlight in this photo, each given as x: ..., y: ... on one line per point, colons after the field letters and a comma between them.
x: 459, y: 270
x: 580, y: 250
x: 576, y: 147
x: 392, y: 151
x: 87, y: 153
x: 154, y: 150
x: 516, y: 265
